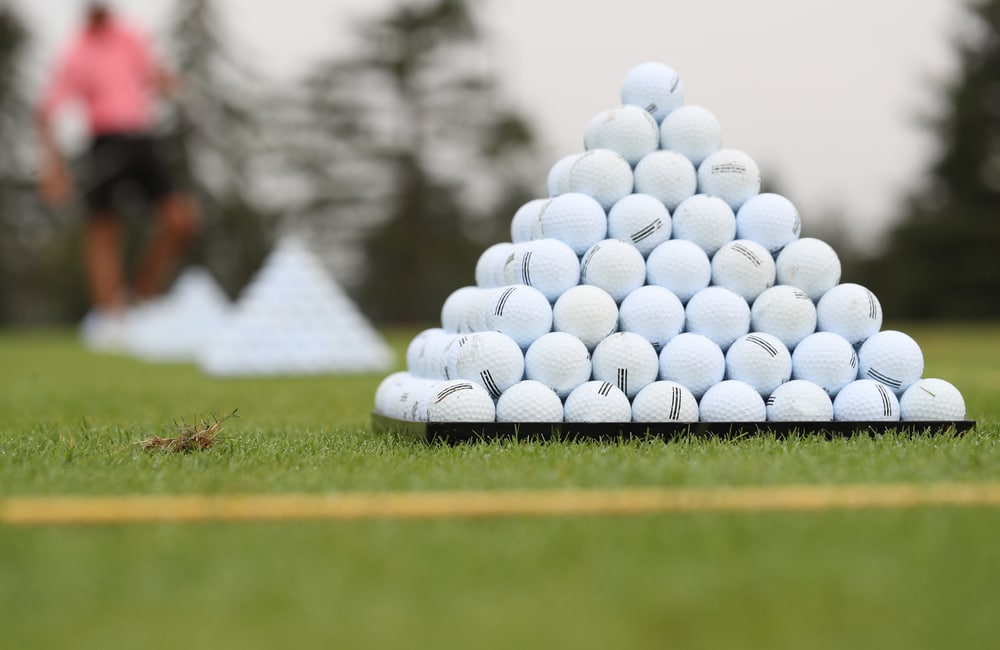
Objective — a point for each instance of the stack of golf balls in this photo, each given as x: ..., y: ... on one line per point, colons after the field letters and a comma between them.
x: 656, y: 283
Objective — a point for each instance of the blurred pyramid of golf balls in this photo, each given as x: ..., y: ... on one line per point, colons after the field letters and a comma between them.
x: 656, y: 283
x: 293, y: 319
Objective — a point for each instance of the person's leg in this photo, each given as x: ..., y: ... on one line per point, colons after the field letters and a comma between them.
x: 176, y: 224
x: 103, y: 262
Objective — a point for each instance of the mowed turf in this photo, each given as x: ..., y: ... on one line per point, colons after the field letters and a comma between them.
x: 70, y: 421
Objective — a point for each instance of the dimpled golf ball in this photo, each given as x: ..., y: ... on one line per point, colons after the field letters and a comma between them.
x: 809, y: 264
x: 490, y: 266
x: 760, y: 360
x: 597, y: 401
x: 680, y: 266
x: 769, y: 219
x: 587, y: 312
x: 455, y: 310
x: 732, y: 401
x: 522, y: 313
x: 668, y: 176
x: 891, y: 358
x: 932, y: 399
x: 559, y: 360
x: 850, y: 310
x: 460, y: 400
x: 744, y: 267
x: 490, y: 359
x: 529, y: 401
x: 865, y: 400
x: 827, y: 360
x: 731, y: 175
x: 654, y: 87
x: 574, y: 219
x: 626, y: 360
x: 410, y: 400
x: 705, y: 220
x: 785, y: 312
x: 664, y: 401
x: 640, y: 220
x: 521, y: 224
x: 627, y: 130
x: 719, y: 314
x: 691, y: 131
x: 615, y: 266
x: 387, y: 388
x: 548, y: 265
x: 694, y: 361
x: 602, y: 174
x: 652, y: 312
x: 425, y: 356
x: 799, y: 401
x: 558, y: 178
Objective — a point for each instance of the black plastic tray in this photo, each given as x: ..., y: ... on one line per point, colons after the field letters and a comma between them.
x: 458, y: 432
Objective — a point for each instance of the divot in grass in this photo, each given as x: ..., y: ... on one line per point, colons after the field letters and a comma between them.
x: 197, y: 436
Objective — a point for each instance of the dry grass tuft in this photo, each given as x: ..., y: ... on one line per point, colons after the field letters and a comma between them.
x: 192, y: 437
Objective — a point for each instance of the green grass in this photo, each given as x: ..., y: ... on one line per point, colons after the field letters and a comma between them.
x: 69, y: 421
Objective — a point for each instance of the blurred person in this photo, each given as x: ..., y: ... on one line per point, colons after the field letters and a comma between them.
x: 110, y: 68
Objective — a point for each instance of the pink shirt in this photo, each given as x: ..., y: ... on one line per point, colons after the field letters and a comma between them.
x: 112, y: 72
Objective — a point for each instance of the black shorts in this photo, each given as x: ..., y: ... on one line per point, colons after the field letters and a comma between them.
x: 124, y: 159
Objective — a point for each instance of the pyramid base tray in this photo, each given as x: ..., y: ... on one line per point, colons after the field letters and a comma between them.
x: 459, y: 432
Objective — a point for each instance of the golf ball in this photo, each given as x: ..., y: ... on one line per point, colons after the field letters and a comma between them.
x: 666, y: 175
x: 708, y: 221
x: 664, y: 401
x: 559, y: 360
x: 654, y: 87
x: 597, y: 401
x: 680, y: 266
x: 692, y: 131
x: 731, y: 175
x: 529, y: 401
x: 640, y: 220
x: 932, y: 399
x: 694, y: 361
x: 865, y: 400
x: 799, y: 401
x: 626, y: 360
x: 732, y: 401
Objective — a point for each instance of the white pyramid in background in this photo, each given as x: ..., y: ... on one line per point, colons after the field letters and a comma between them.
x: 294, y: 319
x: 177, y: 325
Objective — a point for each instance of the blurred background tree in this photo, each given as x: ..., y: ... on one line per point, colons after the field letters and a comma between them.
x: 213, y: 133
x: 38, y: 247
x: 410, y: 160
x: 941, y: 258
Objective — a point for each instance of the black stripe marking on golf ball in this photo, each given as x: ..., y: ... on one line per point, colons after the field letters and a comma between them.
x: 586, y: 261
x: 747, y: 253
x: 491, y: 384
x: 797, y: 228
x: 801, y: 295
x: 872, y: 306
x: 638, y: 236
x: 766, y: 345
x: 623, y: 379
x: 526, y: 268
x: 675, y: 402
x: 854, y: 359
x: 886, y: 403
x: 651, y: 106
x: 883, y: 378
x: 451, y: 390
x: 503, y: 300
x: 769, y: 401
x: 605, y: 389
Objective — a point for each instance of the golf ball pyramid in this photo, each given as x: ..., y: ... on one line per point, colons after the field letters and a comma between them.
x: 655, y: 283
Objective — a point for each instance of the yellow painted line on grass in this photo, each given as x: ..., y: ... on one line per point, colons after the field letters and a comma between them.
x: 66, y: 510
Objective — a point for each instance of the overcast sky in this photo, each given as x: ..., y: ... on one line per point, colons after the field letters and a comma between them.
x: 824, y: 94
